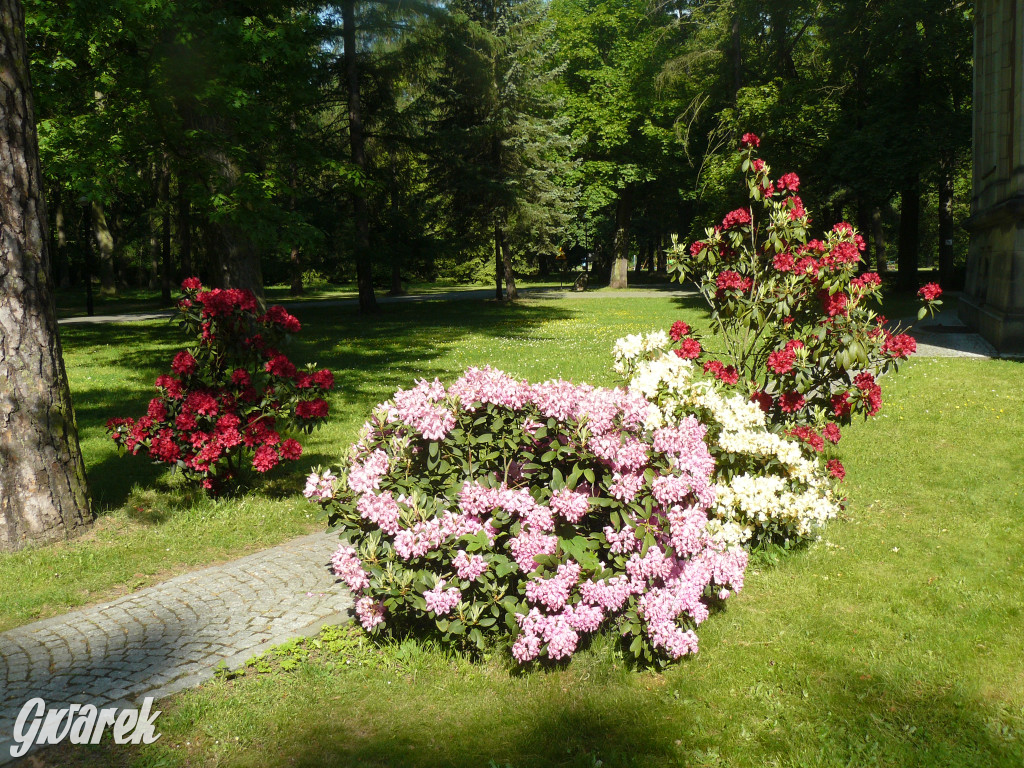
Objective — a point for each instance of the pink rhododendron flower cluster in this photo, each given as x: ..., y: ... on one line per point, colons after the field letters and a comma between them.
x: 530, y: 515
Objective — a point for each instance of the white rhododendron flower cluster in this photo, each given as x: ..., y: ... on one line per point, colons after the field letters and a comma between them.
x: 768, y: 489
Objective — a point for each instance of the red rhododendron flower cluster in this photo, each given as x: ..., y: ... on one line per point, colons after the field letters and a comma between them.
x: 809, y: 436
x: 678, y: 330
x: 782, y: 360
x: 729, y: 280
x: 833, y: 304
x: 899, y: 345
x: 871, y: 393
x: 233, y: 398
x: 733, y: 218
x: 727, y: 374
x: 788, y: 182
x: 793, y: 312
x: 930, y: 292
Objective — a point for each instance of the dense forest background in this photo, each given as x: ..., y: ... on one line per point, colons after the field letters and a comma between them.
x: 262, y: 142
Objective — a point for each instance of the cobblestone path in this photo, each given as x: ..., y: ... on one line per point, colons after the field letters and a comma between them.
x: 170, y: 636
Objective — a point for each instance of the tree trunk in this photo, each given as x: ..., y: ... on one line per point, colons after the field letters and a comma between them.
x: 294, y: 260
x: 63, y: 264
x: 105, y: 247
x: 623, y: 213
x: 43, y: 493
x: 184, y: 232
x: 234, y: 253
x: 154, y: 231
x: 863, y: 227
x: 498, y: 266
x: 364, y: 266
x: 510, y: 277
x: 165, y: 232
x: 946, y: 223
x: 737, y: 58
x: 878, y: 241
x: 396, y: 274
x: 910, y: 214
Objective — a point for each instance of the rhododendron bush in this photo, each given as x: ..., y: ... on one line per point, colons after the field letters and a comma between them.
x: 530, y: 515
x: 232, y: 400
x: 769, y: 487
x: 795, y: 314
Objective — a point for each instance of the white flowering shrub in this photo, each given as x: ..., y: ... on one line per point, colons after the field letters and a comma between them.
x: 767, y: 488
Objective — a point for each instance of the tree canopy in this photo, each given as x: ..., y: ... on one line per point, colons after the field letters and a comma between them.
x: 265, y: 140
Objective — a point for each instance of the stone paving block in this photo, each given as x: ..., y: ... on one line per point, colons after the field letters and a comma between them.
x: 171, y: 636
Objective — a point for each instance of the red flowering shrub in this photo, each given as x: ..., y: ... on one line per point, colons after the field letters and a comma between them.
x: 233, y: 397
x: 797, y: 320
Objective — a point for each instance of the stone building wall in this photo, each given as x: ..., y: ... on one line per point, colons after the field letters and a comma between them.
x: 993, y: 300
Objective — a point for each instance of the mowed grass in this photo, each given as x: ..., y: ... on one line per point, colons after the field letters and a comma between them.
x: 895, y: 641
x: 150, y: 526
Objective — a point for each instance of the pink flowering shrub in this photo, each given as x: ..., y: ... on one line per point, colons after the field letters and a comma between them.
x: 232, y: 400
x: 795, y: 314
x: 531, y: 516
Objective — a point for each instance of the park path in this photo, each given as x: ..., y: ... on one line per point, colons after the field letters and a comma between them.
x: 173, y: 635
x: 941, y: 336
x: 474, y: 294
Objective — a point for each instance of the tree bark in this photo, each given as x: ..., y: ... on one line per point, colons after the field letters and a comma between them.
x: 946, y: 223
x: 910, y: 214
x: 184, y: 232
x: 498, y: 267
x: 506, y: 263
x: 396, y: 274
x: 105, y: 248
x: 620, y: 265
x: 364, y: 266
x: 737, y: 58
x: 63, y: 265
x: 294, y: 257
x: 43, y: 493
x: 863, y: 227
x: 165, y: 234
x: 154, y: 230
x: 878, y: 242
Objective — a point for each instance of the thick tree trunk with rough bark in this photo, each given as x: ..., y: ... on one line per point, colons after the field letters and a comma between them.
x: 43, y: 493
x: 364, y: 264
x: 620, y: 265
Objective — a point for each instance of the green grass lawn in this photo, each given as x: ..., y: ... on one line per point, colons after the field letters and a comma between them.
x: 150, y: 526
x: 896, y: 641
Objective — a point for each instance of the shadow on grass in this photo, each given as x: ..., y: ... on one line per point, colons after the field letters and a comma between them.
x: 859, y: 722
x: 370, y: 355
x: 380, y: 353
